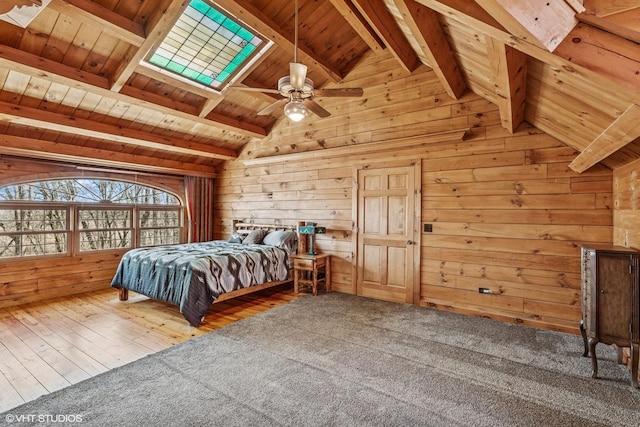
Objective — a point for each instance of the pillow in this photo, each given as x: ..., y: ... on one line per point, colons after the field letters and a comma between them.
x: 276, y: 237
x: 254, y: 238
x: 235, y: 238
x: 284, y: 239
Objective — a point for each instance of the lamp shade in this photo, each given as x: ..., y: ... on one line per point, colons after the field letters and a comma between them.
x: 311, y: 229
x: 296, y: 110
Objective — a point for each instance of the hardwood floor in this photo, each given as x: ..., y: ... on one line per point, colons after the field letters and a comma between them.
x: 48, y: 346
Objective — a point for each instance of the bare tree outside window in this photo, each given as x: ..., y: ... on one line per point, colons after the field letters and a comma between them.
x: 40, y: 218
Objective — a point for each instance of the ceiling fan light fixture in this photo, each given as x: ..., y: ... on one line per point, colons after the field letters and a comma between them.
x: 296, y: 110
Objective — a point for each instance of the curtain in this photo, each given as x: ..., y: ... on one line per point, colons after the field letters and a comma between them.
x: 199, y: 192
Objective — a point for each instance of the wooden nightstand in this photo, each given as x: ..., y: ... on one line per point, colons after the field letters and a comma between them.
x: 308, y: 271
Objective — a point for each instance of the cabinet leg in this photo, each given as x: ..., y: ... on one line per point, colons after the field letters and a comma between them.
x: 583, y: 332
x: 594, y: 360
x: 635, y: 358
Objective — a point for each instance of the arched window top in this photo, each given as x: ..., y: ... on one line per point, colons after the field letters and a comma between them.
x: 87, y: 190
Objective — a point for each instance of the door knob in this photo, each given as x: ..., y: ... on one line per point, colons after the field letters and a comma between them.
x: 409, y: 242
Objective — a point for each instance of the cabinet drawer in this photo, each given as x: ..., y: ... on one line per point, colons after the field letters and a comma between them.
x: 303, y: 264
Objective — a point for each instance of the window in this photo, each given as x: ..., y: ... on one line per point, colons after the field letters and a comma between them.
x: 102, y: 228
x: 71, y: 216
x: 206, y: 46
x: 27, y: 231
x: 158, y: 227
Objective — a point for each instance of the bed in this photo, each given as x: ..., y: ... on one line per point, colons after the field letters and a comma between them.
x: 195, y: 275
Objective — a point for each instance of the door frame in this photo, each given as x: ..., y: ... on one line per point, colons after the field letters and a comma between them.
x: 417, y: 221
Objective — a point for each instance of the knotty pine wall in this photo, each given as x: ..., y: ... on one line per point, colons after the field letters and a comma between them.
x: 626, y: 196
x: 41, y: 278
x: 507, y: 212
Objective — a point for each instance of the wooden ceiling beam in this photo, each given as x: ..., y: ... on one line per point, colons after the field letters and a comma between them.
x: 509, y: 67
x: 385, y: 25
x: 48, y: 150
x: 23, y: 62
x: 576, y: 5
x: 425, y: 26
x: 176, y: 81
x: 543, y: 24
x: 27, y: 63
x: 607, y: 54
x: 194, y: 113
x: 465, y: 11
x: 47, y: 120
x: 360, y: 25
x: 208, y: 106
x: 92, y: 13
x: 476, y: 18
x: 621, y: 132
x: 610, y: 26
x: 603, y: 8
x: 158, y: 26
x: 254, y: 18
x: 211, y: 97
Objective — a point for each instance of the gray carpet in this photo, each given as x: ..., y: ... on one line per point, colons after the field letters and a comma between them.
x: 340, y: 360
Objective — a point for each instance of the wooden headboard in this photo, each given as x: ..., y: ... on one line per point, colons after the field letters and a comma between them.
x: 239, y: 225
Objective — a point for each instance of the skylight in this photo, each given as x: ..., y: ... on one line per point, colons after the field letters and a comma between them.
x: 206, y: 46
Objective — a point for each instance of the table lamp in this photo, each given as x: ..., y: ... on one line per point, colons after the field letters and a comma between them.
x: 311, y: 229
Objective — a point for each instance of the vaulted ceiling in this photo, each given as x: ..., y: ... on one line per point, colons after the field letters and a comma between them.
x: 73, y: 89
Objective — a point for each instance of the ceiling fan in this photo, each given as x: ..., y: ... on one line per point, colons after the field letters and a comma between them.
x: 298, y: 91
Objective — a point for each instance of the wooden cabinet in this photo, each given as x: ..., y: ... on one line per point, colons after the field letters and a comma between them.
x: 610, y: 302
x: 312, y: 270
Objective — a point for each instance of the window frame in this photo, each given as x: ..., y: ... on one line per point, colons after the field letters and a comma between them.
x: 263, y: 45
x: 73, y: 231
x: 27, y: 205
x: 139, y: 229
x: 103, y: 207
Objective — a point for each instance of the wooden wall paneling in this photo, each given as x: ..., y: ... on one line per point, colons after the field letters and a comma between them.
x: 626, y: 195
x: 508, y: 288
x: 54, y: 277
x: 506, y: 211
x: 548, y: 195
x: 469, y: 240
x: 416, y: 129
x: 549, y: 281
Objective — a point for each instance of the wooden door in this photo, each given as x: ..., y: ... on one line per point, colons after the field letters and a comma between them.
x: 614, y: 295
x: 388, y: 206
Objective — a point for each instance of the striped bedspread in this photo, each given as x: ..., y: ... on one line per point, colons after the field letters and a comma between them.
x: 193, y: 275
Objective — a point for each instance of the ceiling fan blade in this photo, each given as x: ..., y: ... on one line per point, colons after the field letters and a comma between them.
x: 316, y: 108
x: 339, y: 92
x: 297, y: 75
x: 272, y: 107
x: 253, y: 89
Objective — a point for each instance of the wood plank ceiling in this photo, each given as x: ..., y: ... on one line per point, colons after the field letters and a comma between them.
x: 73, y: 88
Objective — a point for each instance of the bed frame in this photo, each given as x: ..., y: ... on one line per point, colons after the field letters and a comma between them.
x: 123, y: 294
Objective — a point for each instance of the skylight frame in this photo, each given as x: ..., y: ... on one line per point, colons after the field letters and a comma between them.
x: 185, y: 36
